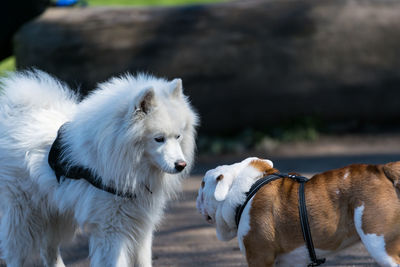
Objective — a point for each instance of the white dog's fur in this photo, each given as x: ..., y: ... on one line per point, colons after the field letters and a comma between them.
x: 218, y: 199
x: 113, y: 132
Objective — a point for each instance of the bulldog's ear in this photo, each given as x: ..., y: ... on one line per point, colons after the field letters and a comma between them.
x: 225, y: 232
x: 222, y: 188
x: 176, y: 88
x: 264, y: 166
x: 145, y: 100
x: 269, y: 162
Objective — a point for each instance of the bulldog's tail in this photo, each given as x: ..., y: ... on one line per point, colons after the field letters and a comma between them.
x: 392, y: 171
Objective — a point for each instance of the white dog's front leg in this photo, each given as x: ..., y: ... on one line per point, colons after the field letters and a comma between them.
x: 51, y: 256
x: 108, y: 251
x: 144, y: 251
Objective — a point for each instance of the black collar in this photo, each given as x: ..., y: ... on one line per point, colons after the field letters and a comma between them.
x: 305, y: 227
x: 62, y: 168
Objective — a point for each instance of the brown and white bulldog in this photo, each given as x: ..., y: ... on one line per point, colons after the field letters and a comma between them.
x: 357, y: 202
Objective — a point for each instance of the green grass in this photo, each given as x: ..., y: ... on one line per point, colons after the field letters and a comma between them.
x: 148, y: 2
x: 7, y: 64
x: 299, y: 129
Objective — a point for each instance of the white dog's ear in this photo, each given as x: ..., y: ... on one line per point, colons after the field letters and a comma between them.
x: 176, y: 88
x: 222, y: 188
x: 146, y: 100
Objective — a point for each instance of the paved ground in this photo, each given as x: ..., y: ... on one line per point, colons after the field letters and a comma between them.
x: 184, y: 239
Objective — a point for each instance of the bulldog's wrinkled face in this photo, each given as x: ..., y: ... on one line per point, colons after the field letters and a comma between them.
x: 217, y: 183
x: 208, y: 193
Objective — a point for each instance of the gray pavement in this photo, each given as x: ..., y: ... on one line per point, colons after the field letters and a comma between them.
x: 184, y: 239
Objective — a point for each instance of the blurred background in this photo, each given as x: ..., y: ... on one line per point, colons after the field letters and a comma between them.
x: 262, y: 74
x: 310, y: 84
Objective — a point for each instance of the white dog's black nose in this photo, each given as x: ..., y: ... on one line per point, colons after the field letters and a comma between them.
x: 180, y: 165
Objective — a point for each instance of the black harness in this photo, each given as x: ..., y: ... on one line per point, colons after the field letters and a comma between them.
x: 305, y: 227
x: 62, y: 168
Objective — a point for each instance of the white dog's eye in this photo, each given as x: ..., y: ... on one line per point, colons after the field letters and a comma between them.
x: 160, y: 139
x: 178, y: 136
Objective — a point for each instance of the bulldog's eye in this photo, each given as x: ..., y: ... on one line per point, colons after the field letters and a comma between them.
x: 160, y: 139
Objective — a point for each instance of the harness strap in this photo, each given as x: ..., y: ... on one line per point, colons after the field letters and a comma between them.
x: 305, y: 227
x: 257, y: 186
x: 253, y: 190
x: 61, y: 168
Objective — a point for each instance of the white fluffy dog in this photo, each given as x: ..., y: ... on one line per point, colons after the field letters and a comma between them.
x: 134, y: 135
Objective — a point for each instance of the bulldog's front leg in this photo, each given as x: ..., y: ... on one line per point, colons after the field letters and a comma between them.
x: 259, y: 255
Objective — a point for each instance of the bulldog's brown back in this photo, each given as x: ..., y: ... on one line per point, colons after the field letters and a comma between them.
x: 331, y: 198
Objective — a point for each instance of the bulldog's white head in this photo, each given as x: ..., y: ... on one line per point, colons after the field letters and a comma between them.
x: 223, y: 189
